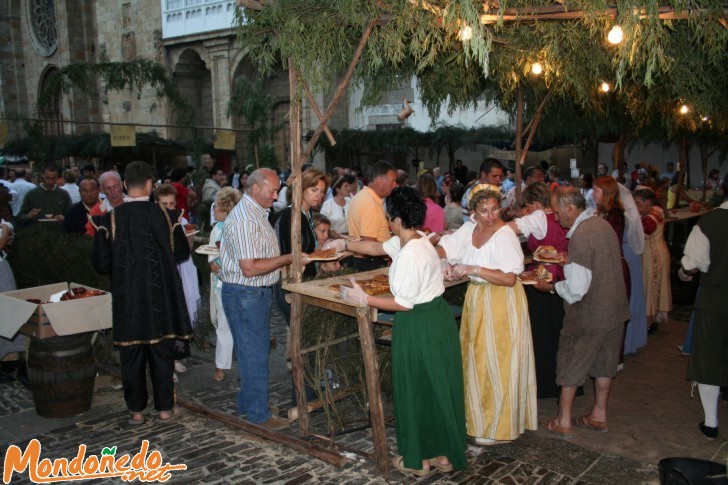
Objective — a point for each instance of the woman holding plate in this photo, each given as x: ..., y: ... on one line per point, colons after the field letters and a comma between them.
x: 495, y: 333
x: 546, y: 311
x: 427, y: 372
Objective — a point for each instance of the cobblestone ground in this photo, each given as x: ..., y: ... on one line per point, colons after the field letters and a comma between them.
x: 216, y: 453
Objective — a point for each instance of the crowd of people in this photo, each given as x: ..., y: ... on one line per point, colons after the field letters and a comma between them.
x: 516, y: 342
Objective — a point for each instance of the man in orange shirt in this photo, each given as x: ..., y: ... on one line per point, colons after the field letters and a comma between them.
x: 112, y: 187
x: 367, y: 215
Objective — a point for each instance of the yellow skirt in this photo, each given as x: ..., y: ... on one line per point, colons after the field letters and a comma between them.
x: 498, y: 365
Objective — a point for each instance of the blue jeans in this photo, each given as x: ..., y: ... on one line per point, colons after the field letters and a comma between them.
x: 247, y: 309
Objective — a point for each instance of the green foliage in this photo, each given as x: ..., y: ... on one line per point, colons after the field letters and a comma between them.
x: 43, y: 255
x: 658, y: 63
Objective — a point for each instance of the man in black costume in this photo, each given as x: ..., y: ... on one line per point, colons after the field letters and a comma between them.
x: 139, y: 244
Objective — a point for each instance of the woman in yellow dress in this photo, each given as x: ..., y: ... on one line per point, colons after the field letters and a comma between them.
x: 495, y: 332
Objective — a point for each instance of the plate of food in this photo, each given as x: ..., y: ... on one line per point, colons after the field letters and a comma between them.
x: 548, y: 254
x: 540, y: 273
x: 209, y: 250
x: 325, y: 255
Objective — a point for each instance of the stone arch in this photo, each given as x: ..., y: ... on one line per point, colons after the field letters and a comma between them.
x: 52, y: 112
x: 277, y: 87
x: 194, y: 81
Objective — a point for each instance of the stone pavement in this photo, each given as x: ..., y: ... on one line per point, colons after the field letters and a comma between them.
x: 652, y: 417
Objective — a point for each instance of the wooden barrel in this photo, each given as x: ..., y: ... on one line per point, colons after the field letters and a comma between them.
x: 61, y: 372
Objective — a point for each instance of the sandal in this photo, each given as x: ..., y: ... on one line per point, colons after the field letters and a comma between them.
x: 219, y: 375
x: 173, y: 414
x: 443, y: 467
x: 398, y: 463
x: 587, y: 422
x: 553, y: 428
x: 179, y: 367
x: 136, y: 422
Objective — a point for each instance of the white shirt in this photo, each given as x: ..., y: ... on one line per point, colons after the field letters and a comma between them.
x: 73, y: 191
x: 501, y: 252
x: 578, y: 278
x: 534, y: 223
x: 415, y: 275
x: 589, y: 197
x: 634, y: 233
x: 339, y: 216
x: 281, y: 202
x: 22, y: 187
x: 697, y: 248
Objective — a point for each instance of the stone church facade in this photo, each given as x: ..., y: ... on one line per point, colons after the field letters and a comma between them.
x: 192, y: 39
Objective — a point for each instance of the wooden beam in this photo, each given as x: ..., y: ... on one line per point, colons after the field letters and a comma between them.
x: 324, y: 454
x: 342, y: 87
x: 319, y: 115
x: 374, y: 390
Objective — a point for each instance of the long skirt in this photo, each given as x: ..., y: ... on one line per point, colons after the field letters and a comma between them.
x: 547, y: 317
x: 427, y: 376
x: 500, y: 378
x: 636, y: 335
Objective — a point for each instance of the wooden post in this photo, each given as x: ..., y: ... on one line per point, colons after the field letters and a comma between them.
x: 371, y: 370
x: 294, y: 344
x: 519, y: 141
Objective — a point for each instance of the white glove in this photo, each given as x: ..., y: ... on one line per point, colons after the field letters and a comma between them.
x: 683, y: 276
x: 446, y: 269
x: 354, y: 296
x: 338, y: 244
x: 461, y: 270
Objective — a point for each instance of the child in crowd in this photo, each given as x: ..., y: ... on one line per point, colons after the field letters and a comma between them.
x: 166, y: 196
x: 322, y: 228
x: 225, y: 201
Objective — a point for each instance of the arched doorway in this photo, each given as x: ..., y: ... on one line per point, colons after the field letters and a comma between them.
x: 194, y: 81
x: 275, y: 86
x: 51, y: 113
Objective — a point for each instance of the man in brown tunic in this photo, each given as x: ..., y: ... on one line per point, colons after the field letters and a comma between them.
x: 596, y: 307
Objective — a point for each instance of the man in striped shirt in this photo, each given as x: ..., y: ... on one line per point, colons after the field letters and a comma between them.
x: 251, y: 263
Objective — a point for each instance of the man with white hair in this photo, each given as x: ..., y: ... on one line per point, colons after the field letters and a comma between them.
x: 112, y: 187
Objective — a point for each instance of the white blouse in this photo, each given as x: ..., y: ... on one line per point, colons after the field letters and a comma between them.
x: 415, y: 275
x: 339, y: 216
x: 501, y: 252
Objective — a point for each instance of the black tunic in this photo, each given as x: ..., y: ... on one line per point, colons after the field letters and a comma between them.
x: 308, y: 237
x: 140, y: 250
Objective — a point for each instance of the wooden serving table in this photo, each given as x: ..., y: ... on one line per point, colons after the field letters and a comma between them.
x: 686, y: 218
x: 317, y: 293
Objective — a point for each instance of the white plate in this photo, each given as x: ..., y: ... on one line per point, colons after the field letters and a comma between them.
x: 527, y: 278
x: 208, y: 249
x: 47, y: 220
x: 188, y: 234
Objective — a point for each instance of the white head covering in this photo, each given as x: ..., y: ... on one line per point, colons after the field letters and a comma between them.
x: 633, y: 234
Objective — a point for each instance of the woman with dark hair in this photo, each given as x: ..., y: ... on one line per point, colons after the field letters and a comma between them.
x: 495, y: 333
x: 545, y: 310
x: 336, y: 209
x: 427, y: 372
x: 655, y: 259
x: 435, y: 216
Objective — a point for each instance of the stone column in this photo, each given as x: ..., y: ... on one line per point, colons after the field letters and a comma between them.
x: 219, y: 50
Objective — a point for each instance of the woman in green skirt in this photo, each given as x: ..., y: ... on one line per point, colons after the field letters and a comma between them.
x: 429, y: 408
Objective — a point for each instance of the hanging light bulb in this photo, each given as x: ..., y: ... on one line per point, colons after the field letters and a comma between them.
x: 537, y: 68
x: 605, y: 87
x: 465, y: 33
x: 615, y: 36
x: 684, y: 109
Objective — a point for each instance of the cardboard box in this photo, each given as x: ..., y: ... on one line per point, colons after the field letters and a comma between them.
x: 52, y: 319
